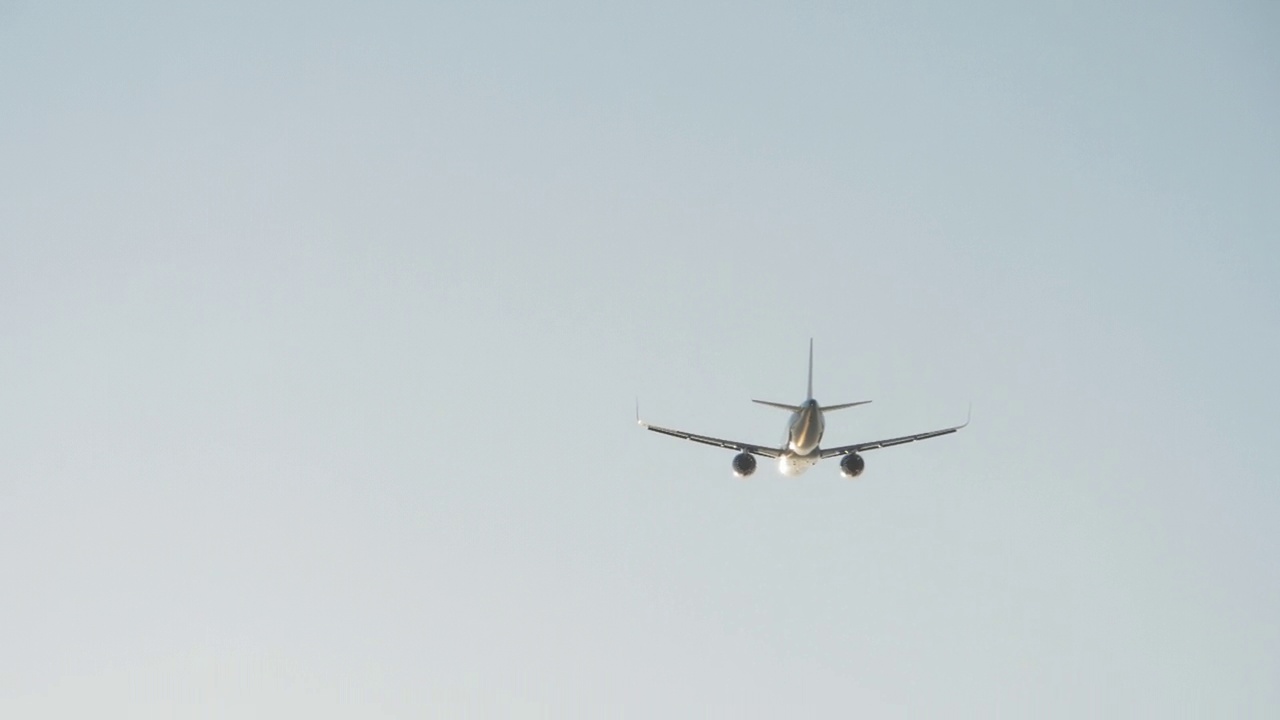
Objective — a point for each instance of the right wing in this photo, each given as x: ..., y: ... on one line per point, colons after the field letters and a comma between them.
x: 760, y: 450
x: 864, y: 446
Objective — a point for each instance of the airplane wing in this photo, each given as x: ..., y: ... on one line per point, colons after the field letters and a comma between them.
x: 860, y: 447
x: 760, y: 450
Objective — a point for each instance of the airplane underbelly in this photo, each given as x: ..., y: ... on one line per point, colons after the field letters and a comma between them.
x: 792, y: 465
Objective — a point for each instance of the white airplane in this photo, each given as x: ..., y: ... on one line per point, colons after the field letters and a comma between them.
x: 800, y: 450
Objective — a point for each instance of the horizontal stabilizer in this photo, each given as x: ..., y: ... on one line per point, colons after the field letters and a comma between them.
x: 828, y: 408
x: 780, y: 406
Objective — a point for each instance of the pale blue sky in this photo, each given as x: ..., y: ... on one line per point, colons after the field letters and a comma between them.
x: 322, y: 328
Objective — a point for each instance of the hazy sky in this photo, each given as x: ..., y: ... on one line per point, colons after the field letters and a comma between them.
x: 321, y: 326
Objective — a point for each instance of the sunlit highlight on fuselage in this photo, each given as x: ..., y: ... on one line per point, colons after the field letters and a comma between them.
x: 804, y: 431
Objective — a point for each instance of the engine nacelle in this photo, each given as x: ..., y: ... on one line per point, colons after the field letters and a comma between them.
x: 743, y: 464
x: 852, y: 465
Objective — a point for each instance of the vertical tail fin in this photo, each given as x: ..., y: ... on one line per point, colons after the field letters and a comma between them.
x: 810, y: 395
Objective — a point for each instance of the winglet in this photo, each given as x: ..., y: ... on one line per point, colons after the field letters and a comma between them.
x: 810, y: 395
x: 639, y: 422
x: 967, y: 417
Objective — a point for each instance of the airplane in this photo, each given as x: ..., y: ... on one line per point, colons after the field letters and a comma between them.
x: 800, y: 449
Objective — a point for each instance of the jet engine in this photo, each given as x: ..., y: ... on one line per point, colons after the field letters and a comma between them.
x: 743, y: 464
x: 852, y: 465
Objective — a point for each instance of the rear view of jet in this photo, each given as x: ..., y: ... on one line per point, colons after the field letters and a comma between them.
x: 801, y: 449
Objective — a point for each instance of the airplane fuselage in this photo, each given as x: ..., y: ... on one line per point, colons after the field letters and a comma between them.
x: 804, y: 432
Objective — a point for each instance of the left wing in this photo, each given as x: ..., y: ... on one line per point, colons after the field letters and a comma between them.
x: 860, y: 447
x: 760, y: 450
